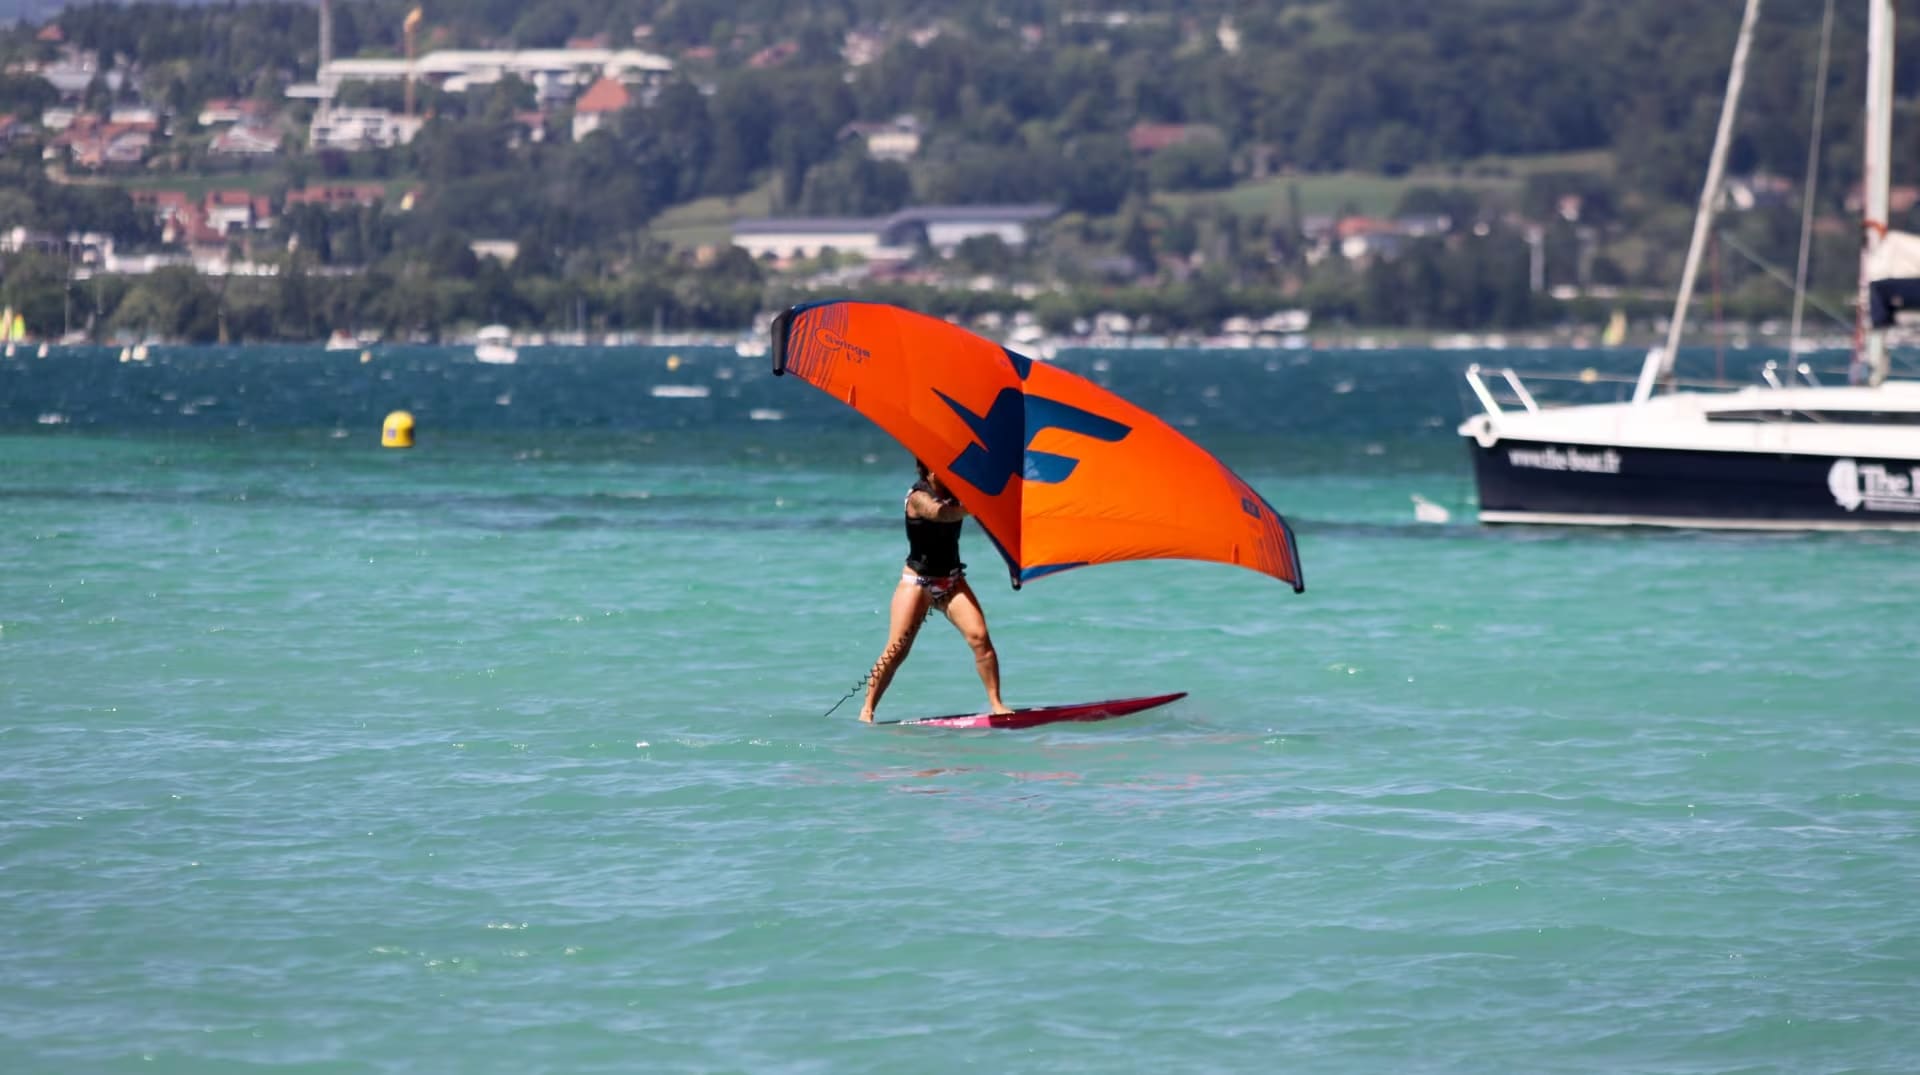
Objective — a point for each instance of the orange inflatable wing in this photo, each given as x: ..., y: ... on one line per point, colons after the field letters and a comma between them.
x: 1057, y: 470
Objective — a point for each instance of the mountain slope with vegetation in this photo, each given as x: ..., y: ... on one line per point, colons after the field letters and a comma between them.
x: 1489, y: 114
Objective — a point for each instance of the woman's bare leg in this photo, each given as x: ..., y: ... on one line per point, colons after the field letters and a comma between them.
x: 964, y: 611
x: 904, y: 617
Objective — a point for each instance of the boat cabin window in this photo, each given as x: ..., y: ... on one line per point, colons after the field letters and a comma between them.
x: 1901, y: 418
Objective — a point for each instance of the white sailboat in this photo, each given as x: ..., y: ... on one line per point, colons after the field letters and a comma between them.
x: 1792, y: 454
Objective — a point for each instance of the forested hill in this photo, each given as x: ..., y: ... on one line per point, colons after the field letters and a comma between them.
x: 1591, y: 119
x: 1375, y: 85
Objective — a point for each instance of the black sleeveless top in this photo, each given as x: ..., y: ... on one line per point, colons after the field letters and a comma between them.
x: 933, y: 547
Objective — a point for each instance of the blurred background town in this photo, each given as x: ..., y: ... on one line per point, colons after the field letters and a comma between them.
x: 1046, y: 171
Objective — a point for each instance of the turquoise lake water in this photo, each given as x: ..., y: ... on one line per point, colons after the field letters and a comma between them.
x: 507, y: 753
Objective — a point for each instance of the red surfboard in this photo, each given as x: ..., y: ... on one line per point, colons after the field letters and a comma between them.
x: 1029, y: 718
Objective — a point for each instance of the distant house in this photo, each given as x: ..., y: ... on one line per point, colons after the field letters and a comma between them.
x: 135, y: 116
x: 219, y: 110
x: 361, y: 128
x: 226, y: 110
x: 228, y: 211
x: 1367, y: 237
x: 202, y: 240
x: 528, y: 127
x: 99, y: 146
x: 946, y: 227
x: 245, y: 141
x: 554, y: 73
x: 208, y: 220
x: 1363, y: 238
x: 801, y: 237
x: 891, y: 237
x: 1147, y: 139
x: 897, y: 139
x: 189, y: 227
x: 597, y: 107
x: 97, y: 143
x: 862, y: 47
x: 500, y: 250
x: 76, y: 69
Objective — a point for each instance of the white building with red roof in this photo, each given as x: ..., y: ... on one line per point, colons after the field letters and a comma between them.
x: 597, y: 107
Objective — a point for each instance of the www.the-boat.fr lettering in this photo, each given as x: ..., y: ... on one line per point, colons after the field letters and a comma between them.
x: 1571, y: 459
x: 1874, y: 486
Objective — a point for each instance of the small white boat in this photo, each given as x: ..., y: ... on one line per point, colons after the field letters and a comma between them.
x: 494, y: 344
x: 681, y: 391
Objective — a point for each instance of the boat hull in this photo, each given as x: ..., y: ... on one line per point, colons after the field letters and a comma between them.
x: 1527, y: 481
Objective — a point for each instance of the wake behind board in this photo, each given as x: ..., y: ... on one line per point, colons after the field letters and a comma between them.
x: 1030, y: 718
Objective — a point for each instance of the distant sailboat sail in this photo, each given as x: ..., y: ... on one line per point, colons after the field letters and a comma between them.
x: 1058, y: 471
x: 1615, y: 333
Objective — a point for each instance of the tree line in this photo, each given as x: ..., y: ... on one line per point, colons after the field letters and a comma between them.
x: 1024, y: 100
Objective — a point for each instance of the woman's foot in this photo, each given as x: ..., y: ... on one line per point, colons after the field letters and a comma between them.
x: 866, y: 716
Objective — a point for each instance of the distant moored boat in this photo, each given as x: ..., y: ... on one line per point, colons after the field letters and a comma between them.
x: 494, y: 344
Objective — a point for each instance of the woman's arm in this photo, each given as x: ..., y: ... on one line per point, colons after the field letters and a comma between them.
x: 924, y: 505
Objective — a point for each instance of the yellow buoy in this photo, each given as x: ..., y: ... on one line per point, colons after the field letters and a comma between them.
x: 398, y: 431
x: 673, y: 362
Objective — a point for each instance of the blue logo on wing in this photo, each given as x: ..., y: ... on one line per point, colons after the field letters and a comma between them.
x: 1003, y: 434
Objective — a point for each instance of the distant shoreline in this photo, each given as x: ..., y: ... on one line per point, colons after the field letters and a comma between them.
x: 748, y: 343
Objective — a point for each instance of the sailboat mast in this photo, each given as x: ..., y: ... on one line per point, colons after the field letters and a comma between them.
x: 1875, y: 169
x: 1814, y: 125
x: 1659, y: 364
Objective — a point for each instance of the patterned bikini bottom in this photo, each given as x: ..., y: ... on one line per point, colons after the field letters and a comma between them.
x: 938, y: 587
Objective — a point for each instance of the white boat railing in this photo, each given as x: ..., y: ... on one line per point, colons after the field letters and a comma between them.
x: 1489, y: 401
